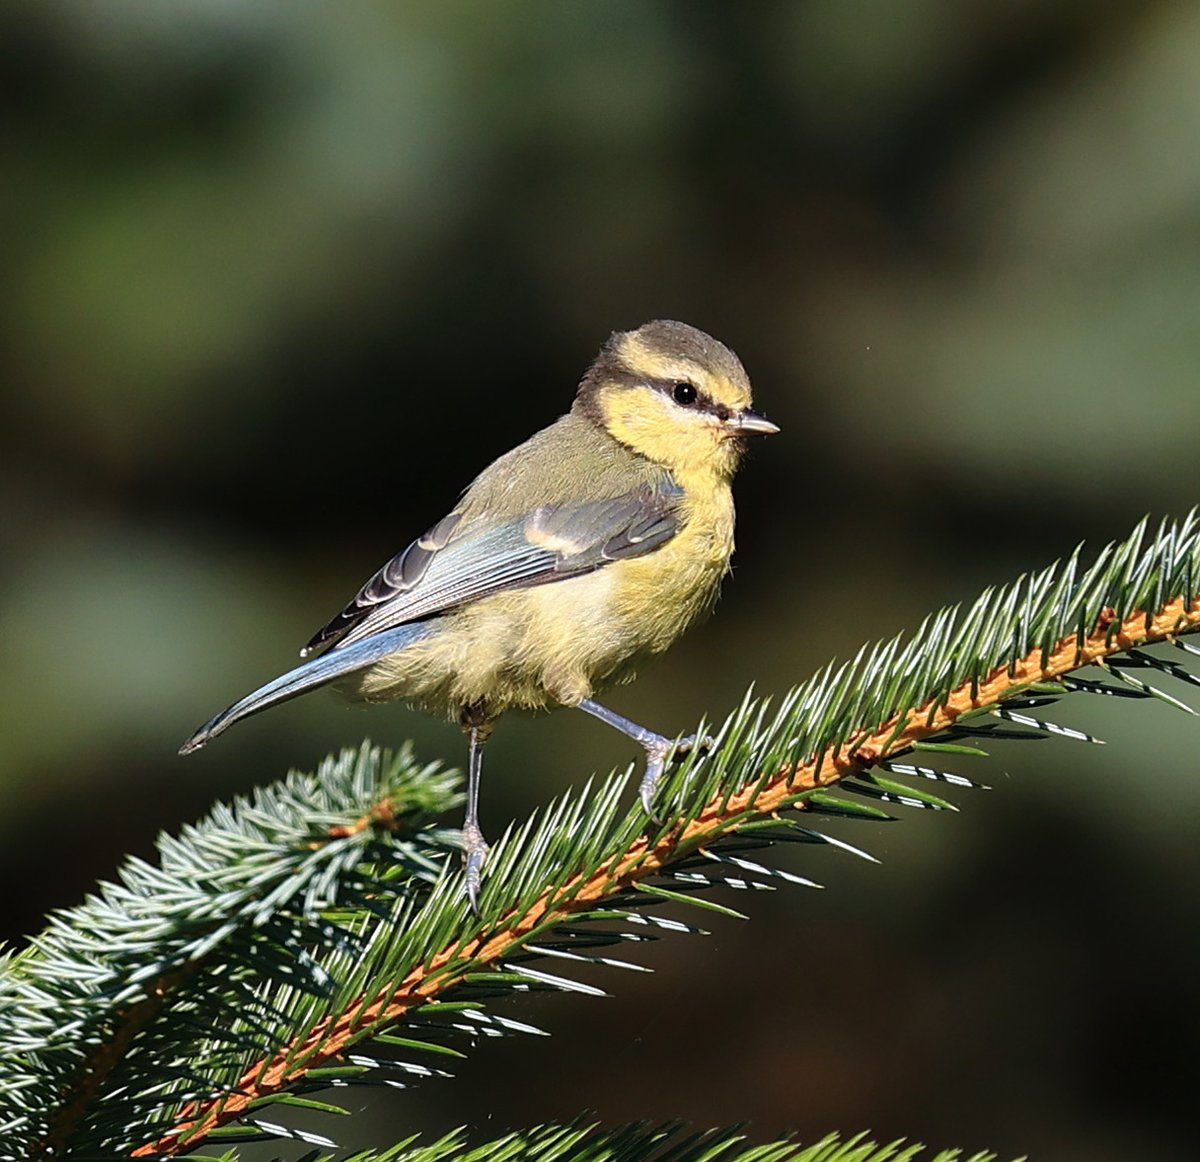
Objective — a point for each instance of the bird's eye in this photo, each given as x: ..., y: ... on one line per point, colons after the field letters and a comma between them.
x: 685, y: 394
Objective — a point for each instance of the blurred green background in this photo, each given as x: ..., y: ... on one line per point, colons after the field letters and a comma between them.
x: 277, y: 280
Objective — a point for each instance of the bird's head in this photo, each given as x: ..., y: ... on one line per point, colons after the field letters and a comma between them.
x: 675, y: 395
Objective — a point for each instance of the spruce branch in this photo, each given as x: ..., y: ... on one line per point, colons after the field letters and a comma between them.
x: 281, y: 935
x: 147, y: 967
x: 667, y: 1142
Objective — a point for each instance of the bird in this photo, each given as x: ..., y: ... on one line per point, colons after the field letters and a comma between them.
x: 570, y: 562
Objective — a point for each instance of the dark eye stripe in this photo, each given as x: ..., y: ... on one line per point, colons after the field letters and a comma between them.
x: 700, y: 401
x: 627, y: 377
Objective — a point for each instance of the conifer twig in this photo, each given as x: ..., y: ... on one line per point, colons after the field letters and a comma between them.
x: 646, y: 857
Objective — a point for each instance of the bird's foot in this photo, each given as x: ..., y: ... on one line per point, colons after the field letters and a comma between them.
x: 475, y: 851
x: 690, y: 742
x: 659, y: 752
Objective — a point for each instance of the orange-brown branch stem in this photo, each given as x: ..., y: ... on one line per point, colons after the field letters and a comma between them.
x: 644, y: 859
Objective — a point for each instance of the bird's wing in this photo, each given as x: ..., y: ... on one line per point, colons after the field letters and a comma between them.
x: 458, y: 561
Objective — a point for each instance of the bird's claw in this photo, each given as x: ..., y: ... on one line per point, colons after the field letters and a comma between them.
x: 475, y: 851
x: 658, y: 753
x: 691, y: 742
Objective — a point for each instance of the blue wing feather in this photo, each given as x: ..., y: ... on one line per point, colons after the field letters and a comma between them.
x: 546, y: 544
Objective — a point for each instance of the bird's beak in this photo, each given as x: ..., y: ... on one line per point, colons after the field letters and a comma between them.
x: 750, y: 421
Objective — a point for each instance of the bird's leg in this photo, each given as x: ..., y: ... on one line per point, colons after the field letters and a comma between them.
x: 475, y: 847
x: 657, y: 746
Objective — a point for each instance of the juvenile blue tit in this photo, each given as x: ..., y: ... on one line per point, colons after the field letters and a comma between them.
x: 568, y: 563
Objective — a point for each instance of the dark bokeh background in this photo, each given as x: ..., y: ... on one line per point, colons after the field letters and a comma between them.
x: 277, y: 280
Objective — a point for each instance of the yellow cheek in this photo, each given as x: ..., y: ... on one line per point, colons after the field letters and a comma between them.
x: 690, y: 447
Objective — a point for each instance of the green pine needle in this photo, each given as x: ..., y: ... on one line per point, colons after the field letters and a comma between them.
x: 667, y: 1142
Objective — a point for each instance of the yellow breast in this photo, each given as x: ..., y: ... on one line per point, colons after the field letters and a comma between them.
x: 667, y: 591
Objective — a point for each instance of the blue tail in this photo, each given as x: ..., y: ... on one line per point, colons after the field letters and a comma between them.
x: 334, y: 664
